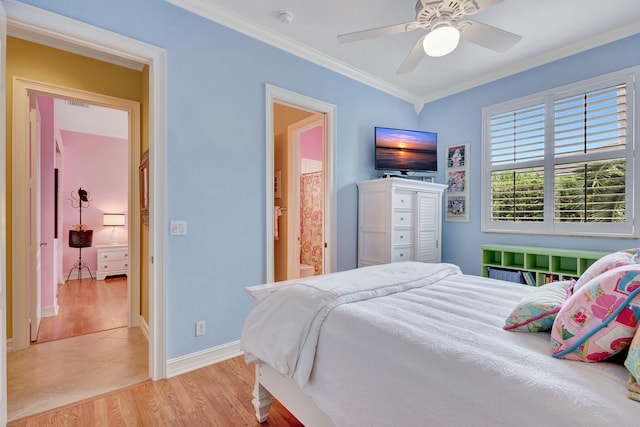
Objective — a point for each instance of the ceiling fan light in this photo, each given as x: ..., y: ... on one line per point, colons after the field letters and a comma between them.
x: 441, y: 41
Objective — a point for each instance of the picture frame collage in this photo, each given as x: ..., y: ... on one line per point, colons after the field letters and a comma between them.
x: 456, y: 178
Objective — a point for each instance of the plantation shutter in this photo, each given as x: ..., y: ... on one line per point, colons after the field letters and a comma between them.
x: 590, y: 135
x: 562, y: 162
x: 517, y: 160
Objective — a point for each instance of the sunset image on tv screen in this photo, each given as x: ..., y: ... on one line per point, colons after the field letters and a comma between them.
x: 405, y: 150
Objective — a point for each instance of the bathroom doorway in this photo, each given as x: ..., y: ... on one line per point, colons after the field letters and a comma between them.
x: 298, y: 193
x: 301, y: 200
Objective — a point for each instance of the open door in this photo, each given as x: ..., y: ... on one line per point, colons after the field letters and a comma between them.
x: 3, y: 220
x: 35, y: 240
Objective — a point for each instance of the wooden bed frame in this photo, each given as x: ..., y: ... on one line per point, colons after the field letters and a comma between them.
x: 270, y: 383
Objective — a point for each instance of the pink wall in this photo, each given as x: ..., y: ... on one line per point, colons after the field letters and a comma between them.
x: 311, y: 143
x: 99, y: 165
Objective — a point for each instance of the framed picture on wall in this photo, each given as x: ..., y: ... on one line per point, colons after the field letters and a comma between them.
x: 456, y: 156
x: 144, y: 188
x: 456, y: 206
x: 456, y: 181
x: 457, y: 175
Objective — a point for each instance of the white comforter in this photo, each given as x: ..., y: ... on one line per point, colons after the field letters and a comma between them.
x: 283, y: 329
x: 433, y: 354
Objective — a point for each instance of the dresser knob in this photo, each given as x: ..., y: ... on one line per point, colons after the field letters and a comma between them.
x: 401, y: 255
x: 401, y: 237
x: 126, y: 265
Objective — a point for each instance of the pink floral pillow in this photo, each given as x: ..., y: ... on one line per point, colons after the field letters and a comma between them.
x: 606, y: 263
x: 537, y: 310
x: 632, y: 362
x: 599, y: 320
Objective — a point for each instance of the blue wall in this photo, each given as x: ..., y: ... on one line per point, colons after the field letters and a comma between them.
x: 215, y: 154
x: 458, y: 120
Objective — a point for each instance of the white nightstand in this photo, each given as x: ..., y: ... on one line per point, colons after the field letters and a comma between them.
x: 113, y: 260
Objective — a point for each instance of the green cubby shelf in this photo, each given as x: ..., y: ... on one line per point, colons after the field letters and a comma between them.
x: 543, y: 263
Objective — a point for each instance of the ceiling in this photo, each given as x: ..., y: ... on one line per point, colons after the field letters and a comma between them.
x: 550, y: 29
x: 79, y: 117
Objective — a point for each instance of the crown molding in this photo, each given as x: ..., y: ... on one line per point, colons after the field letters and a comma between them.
x: 254, y: 30
x: 536, y: 61
x: 34, y: 25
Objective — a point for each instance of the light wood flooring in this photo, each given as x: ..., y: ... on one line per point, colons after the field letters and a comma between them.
x: 86, y: 306
x: 217, y: 395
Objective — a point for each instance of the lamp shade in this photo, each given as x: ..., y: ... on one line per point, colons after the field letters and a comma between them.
x: 441, y: 41
x: 113, y: 219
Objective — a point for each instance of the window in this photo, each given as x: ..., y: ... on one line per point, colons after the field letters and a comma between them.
x: 563, y: 162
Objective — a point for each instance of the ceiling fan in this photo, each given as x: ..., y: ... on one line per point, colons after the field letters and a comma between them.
x: 442, y: 21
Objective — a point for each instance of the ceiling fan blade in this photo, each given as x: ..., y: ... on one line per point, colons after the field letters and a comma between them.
x: 490, y: 37
x: 485, y: 4
x: 413, y: 59
x: 375, y: 32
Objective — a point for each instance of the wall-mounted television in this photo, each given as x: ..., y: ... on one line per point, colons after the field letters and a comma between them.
x: 402, y: 150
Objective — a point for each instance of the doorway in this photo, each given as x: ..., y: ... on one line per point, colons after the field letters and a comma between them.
x: 291, y: 118
x: 82, y: 146
x: 25, y: 248
x: 24, y: 92
x: 118, y: 49
x: 299, y: 233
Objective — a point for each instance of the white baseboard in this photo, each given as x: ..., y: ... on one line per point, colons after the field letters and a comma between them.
x: 50, y: 311
x: 144, y: 327
x: 200, y: 359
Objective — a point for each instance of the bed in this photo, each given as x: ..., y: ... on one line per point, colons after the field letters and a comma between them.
x: 415, y: 344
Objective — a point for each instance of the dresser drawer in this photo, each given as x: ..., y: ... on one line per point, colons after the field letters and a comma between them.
x: 113, y: 255
x: 402, y: 200
x: 113, y: 265
x: 402, y: 218
x: 404, y: 253
x: 402, y: 237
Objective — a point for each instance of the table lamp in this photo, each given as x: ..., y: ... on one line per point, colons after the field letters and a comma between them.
x: 113, y: 220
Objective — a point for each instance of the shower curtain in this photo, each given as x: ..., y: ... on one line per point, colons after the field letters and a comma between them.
x: 311, y: 237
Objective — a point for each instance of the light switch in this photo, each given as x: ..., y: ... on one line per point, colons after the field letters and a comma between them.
x: 178, y: 228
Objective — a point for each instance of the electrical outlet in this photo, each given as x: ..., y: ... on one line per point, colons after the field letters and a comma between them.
x: 200, y: 328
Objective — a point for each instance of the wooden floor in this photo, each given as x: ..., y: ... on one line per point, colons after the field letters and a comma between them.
x: 217, y: 395
x: 86, y: 306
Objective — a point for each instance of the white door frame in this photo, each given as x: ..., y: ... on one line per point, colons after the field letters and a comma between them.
x: 281, y: 96
x: 31, y: 23
x: 3, y: 221
x: 24, y: 93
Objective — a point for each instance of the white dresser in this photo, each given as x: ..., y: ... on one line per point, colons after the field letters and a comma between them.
x: 399, y: 220
x: 113, y: 260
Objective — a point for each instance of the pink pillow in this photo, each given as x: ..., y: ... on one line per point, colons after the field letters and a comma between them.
x: 598, y: 320
x: 606, y: 263
x: 537, y: 310
x: 632, y: 363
